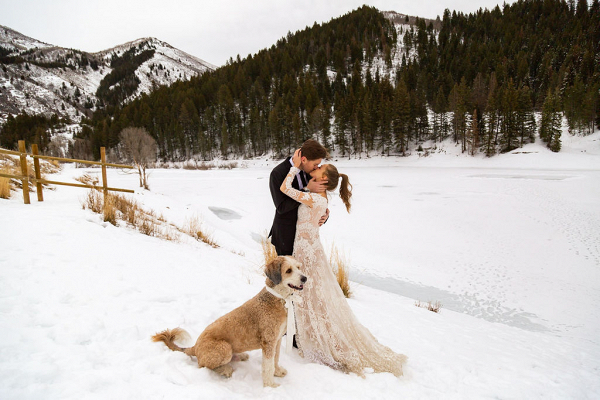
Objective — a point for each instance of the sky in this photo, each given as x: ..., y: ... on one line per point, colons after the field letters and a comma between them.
x: 212, y: 30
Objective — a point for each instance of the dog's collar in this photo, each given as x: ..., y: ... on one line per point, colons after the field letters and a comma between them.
x: 274, y: 293
x: 291, y: 319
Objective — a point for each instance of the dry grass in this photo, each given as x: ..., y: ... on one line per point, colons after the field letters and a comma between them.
x: 146, y: 221
x: 269, y: 252
x: 6, y: 167
x: 121, y: 208
x: 229, y: 165
x: 148, y: 227
x: 87, y: 179
x: 436, y: 307
x: 195, y: 165
x: 110, y: 210
x: 339, y: 263
x: 193, y: 228
x: 4, y: 187
x: 11, y: 165
x: 49, y: 167
x: 93, y: 201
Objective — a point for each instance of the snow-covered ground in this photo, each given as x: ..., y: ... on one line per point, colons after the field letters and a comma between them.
x: 510, y: 245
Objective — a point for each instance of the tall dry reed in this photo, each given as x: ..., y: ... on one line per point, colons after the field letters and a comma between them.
x: 269, y: 252
x: 340, y: 265
x: 4, y: 188
x: 193, y: 227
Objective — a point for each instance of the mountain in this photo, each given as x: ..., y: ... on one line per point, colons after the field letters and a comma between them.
x: 39, y: 78
x: 371, y: 83
x: 366, y: 83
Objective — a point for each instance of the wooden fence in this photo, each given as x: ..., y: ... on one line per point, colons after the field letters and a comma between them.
x: 24, y: 177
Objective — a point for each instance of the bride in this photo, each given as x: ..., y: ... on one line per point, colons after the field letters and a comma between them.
x: 327, y: 330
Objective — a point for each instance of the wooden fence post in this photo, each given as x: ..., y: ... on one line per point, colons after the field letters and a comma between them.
x: 25, y: 181
x: 104, y: 183
x: 38, y: 174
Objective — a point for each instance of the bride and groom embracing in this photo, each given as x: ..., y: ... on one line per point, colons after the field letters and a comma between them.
x: 328, y: 333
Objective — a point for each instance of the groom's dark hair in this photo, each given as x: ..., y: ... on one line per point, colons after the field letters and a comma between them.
x: 313, y: 150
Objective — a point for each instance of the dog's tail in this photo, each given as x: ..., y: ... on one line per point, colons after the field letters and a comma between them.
x: 169, y: 337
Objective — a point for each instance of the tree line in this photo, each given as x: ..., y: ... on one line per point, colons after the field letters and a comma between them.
x: 479, y: 80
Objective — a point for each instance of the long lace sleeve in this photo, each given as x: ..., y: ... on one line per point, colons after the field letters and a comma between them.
x: 286, y: 187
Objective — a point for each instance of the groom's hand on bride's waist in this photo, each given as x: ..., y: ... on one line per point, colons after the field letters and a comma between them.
x: 324, y: 218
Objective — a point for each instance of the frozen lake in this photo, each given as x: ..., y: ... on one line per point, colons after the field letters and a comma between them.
x: 518, y: 246
x: 509, y: 245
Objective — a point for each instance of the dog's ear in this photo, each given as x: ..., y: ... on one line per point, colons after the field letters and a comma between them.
x: 273, y: 270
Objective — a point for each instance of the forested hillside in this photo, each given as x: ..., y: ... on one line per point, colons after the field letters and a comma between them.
x: 362, y: 85
x: 46, y: 89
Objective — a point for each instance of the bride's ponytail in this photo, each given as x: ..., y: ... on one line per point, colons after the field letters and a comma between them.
x: 333, y: 178
x: 345, y: 191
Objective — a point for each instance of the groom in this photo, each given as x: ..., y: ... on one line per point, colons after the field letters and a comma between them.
x: 283, y: 230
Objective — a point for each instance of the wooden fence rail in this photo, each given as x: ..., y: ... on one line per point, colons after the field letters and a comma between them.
x: 24, y: 177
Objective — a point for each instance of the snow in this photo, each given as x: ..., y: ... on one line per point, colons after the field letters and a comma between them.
x: 510, y: 245
x: 42, y: 90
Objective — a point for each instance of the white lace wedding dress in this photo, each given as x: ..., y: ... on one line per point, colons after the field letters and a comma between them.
x: 327, y: 330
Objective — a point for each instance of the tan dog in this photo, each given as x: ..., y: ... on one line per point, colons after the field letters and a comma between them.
x: 257, y: 324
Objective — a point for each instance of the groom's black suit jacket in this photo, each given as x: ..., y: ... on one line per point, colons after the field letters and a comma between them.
x: 283, y: 230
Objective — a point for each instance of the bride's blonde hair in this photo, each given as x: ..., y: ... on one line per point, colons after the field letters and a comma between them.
x: 333, y: 178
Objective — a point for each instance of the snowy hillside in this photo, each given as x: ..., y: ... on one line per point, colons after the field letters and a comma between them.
x: 40, y: 78
x: 49, y: 79
x: 509, y: 245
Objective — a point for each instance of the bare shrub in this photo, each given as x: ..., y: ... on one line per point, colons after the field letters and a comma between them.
x: 57, y: 146
x: 87, y: 179
x: 148, y: 227
x: 128, y: 208
x: 170, y: 234
x: 93, y: 201
x: 435, y: 307
x: 141, y: 149
x: 229, y: 165
x: 49, y: 167
x: 205, y: 166
x: 340, y: 265
x: 81, y: 150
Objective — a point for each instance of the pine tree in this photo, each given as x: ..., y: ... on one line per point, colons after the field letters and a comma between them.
x: 509, y: 108
x: 575, y: 107
x: 440, y: 118
x: 550, y: 126
x: 458, y: 106
x: 525, y: 117
x: 473, y: 134
x: 224, y: 139
x: 401, y: 117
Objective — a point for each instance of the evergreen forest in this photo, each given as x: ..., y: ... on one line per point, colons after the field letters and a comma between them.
x: 490, y: 81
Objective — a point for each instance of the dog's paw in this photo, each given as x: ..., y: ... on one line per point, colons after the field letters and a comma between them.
x: 224, y: 370
x: 240, y: 357
x: 270, y: 384
x: 280, y: 372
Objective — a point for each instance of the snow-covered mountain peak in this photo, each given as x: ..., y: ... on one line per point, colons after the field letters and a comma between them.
x: 40, y: 78
x: 15, y: 41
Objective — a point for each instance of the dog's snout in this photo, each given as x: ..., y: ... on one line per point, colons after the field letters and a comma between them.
x: 303, y: 279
